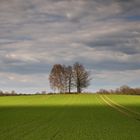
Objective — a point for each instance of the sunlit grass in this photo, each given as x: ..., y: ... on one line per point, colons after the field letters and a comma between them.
x: 63, y: 117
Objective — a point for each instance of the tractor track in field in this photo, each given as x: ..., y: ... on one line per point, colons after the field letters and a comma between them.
x: 123, y: 107
x: 124, y: 110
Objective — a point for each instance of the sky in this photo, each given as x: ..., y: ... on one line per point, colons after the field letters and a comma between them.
x: 103, y: 35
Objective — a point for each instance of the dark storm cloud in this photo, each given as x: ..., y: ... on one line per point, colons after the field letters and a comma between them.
x: 26, y: 69
x: 117, y: 66
x: 126, y: 42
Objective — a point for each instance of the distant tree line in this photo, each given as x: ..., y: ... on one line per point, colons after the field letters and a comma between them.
x: 123, y: 90
x: 14, y: 93
x: 67, y: 78
x: 9, y: 93
x: 126, y: 90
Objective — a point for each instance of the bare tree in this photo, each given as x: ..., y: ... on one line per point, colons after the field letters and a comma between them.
x: 56, y: 78
x: 81, y: 77
x: 65, y: 78
x: 69, y: 73
x: 127, y: 90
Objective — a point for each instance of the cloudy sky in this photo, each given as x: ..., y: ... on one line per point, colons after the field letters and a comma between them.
x: 103, y: 35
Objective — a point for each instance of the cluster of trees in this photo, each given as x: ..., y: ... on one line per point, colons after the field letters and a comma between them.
x: 66, y: 78
x: 122, y: 90
x: 9, y: 93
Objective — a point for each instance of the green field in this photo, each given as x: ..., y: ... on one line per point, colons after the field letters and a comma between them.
x: 69, y: 117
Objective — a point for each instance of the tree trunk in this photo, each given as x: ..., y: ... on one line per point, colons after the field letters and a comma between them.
x: 78, y: 89
x: 69, y: 85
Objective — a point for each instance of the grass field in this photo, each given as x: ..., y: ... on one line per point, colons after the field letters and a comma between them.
x: 69, y: 117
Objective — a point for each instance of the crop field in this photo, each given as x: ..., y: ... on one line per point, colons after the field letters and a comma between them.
x: 70, y: 117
